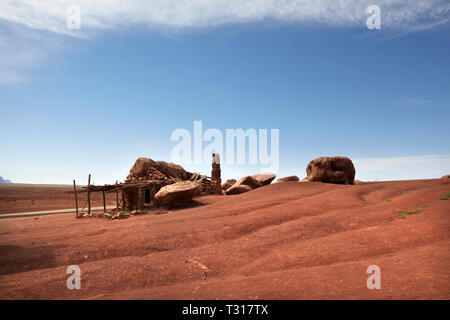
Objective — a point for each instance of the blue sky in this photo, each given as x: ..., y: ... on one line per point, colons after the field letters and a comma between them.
x: 93, y: 101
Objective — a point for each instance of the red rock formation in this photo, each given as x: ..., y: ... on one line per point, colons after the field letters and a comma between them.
x: 288, y: 179
x: 228, y: 184
x: 331, y: 170
x: 177, y: 193
x: 145, y: 168
x: 264, y: 178
x: 244, y: 184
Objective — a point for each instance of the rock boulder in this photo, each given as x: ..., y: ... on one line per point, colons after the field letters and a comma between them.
x: 331, y: 170
x: 288, y: 179
x: 248, y: 181
x: 244, y: 184
x: 228, y: 184
x: 238, y: 189
x: 145, y: 168
x: 264, y: 178
x: 176, y: 193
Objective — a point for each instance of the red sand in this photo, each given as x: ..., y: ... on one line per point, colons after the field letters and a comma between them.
x: 17, y: 197
x: 283, y: 241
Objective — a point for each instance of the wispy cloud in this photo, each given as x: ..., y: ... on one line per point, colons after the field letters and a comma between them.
x: 400, y: 16
x: 399, y: 168
x: 111, y: 14
x: 413, y: 101
x: 22, y: 49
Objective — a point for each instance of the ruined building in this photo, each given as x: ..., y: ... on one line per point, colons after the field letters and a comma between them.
x: 147, y: 177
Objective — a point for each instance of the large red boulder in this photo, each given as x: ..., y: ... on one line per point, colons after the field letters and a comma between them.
x: 238, y: 189
x: 145, y: 168
x: 248, y: 181
x: 264, y: 178
x: 177, y: 193
x: 228, y: 184
x: 331, y: 170
x: 244, y: 184
x: 289, y: 179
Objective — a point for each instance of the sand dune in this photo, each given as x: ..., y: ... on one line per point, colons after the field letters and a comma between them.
x: 283, y: 241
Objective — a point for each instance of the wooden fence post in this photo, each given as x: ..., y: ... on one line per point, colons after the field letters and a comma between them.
x: 89, y: 195
x: 117, y: 198
x: 76, y: 198
x: 104, y: 202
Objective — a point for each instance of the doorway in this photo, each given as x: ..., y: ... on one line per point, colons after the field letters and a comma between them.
x: 146, y: 195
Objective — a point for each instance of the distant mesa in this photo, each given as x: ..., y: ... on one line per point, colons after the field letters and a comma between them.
x: 4, y: 180
x: 446, y: 177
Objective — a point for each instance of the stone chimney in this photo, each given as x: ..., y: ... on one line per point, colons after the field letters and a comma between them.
x: 215, y: 174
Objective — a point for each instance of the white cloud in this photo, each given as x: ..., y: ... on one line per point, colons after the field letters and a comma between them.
x: 399, y: 16
x: 175, y: 14
x: 22, y: 49
x: 400, y: 168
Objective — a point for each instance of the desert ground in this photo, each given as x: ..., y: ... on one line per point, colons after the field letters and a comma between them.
x: 282, y: 241
x: 17, y: 197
